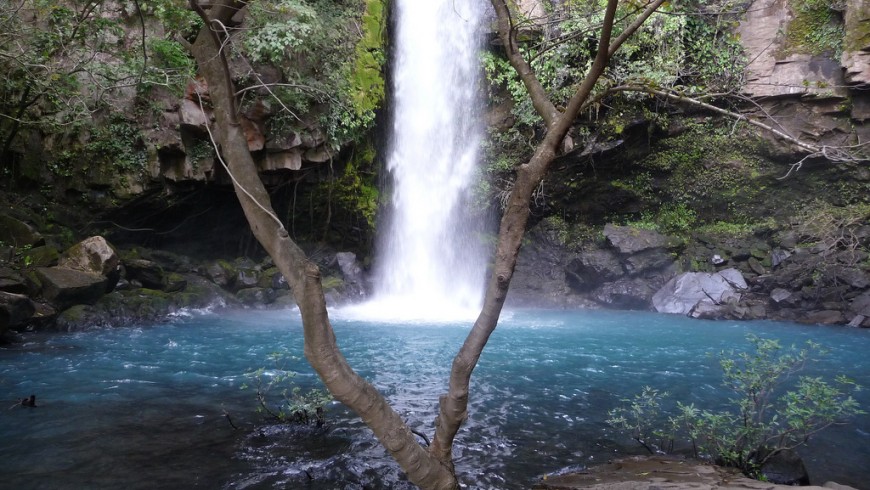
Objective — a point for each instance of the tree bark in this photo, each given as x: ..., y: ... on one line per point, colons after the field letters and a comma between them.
x: 303, y: 276
x: 454, y: 404
x: 433, y: 468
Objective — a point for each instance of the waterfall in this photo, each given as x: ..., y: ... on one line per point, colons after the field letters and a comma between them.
x: 431, y: 258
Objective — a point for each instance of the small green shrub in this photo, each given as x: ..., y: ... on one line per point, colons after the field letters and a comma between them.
x: 294, y: 405
x: 763, y: 418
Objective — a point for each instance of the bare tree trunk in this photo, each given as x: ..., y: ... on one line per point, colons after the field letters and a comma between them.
x: 302, y: 275
x: 454, y: 404
x: 433, y: 468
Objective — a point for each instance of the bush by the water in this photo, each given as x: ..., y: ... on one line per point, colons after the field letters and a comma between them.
x: 767, y: 415
x: 280, y: 399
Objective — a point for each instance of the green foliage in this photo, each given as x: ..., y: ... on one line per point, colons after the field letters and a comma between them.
x: 200, y: 151
x: 118, y: 143
x: 639, y: 416
x: 367, y: 82
x: 171, y: 66
x: 278, y: 28
x: 335, y: 74
x: 737, y: 229
x: 356, y: 189
x: 675, y: 218
x: 764, y: 416
x: 294, y: 405
x: 176, y: 16
x: 708, y: 164
x: 687, y: 45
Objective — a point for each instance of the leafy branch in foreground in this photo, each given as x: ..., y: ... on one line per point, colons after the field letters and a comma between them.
x: 763, y: 418
x: 294, y: 405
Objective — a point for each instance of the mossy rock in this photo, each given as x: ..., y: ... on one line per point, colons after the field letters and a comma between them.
x: 256, y: 296
x: 44, y: 256
x: 332, y: 282
x: 18, y: 233
x: 174, y: 282
x: 73, y: 317
x: 267, y: 276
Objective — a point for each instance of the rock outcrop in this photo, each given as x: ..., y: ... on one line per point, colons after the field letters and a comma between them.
x: 725, y: 276
x: 690, y: 290
x: 661, y: 473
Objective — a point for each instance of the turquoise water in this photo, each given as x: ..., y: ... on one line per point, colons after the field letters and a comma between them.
x: 144, y: 407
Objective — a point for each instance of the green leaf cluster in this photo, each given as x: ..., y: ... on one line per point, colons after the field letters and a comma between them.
x: 765, y: 415
x: 331, y: 55
x: 294, y: 405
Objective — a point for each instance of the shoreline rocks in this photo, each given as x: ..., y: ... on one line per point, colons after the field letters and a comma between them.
x: 712, y: 277
x: 93, y: 285
x: 660, y: 473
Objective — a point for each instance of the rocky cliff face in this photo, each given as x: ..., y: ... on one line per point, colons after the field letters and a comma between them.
x: 717, y: 190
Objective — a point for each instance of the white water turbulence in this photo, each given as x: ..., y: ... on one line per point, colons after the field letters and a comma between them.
x: 432, y: 260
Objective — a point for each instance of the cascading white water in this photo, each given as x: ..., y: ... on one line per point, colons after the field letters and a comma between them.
x: 431, y: 261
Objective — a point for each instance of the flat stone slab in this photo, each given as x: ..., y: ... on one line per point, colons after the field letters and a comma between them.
x: 660, y: 473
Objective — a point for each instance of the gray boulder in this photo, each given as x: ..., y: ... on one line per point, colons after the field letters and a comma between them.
x: 590, y: 269
x: 684, y: 292
x: 149, y: 274
x: 11, y: 281
x: 631, y: 240
x: 352, y: 272
x: 14, y: 310
x: 64, y: 287
x: 18, y: 233
x: 93, y: 255
x: 625, y: 294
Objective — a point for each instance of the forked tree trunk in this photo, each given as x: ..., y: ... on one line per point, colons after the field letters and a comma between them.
x: 432, y: 468
x: 303, y: 276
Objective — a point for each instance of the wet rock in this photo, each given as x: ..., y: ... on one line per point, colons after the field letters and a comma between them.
x: 11, y: 281
x: 684, y: 292
x: 15, y: 309
x: 246, y: 278
x: 93, y: 255
x: 17, y: 233
x: 174, y: 282
x: 285, y: 160
x: 648, y: 261
x: 858, y: 321
x: 283, y: 141
x: 124, y: 307
x: 149, y: 274
x: 352, y: 272
x: 221, y: 273
x: 755, y: 266
x: 848, y: 275
x: 780, y: 295
x: 256, y: 296
x: 823, y: 317
x: 627, y: 294
x: 785, y: 467
x: 778, y: 256
x: 631, y: 240
x: 66, y: 287
x: 860, y: 305
x: 590, y: 269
